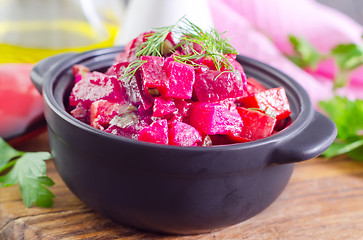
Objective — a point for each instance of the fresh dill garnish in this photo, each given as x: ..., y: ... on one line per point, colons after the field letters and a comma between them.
x: 210, y: 42
x: 154, y: 44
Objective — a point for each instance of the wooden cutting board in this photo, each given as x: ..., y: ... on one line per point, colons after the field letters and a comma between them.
x: 324, y: 200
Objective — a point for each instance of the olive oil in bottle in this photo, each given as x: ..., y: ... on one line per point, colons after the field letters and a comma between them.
x: 31, y: 30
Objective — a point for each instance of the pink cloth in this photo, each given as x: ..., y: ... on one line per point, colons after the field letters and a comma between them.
x: 260, y: 29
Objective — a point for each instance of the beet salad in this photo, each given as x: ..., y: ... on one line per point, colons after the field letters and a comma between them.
x: 178, y: 85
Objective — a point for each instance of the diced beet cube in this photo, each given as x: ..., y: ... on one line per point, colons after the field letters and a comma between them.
x: 163, y: 107
x: 215, y: 86
x: 181, y: 80
x: 96, y: 87
x: 256, y: 125
x: 183, y: 134
x: 214, y: 118
x: 157, y: 132
x: 154, y: 78
x: 103, y: 111
x: 274, y: 99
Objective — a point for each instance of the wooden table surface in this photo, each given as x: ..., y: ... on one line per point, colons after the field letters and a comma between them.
x: 323, y: 200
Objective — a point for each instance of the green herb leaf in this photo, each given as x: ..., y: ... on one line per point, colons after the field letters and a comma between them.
x: 347, y: 116
x: 7, y: 153
x: 348, y: 56
x: 28, y: 169
x: 34, y: 190
x: 132, y: 68
x: 305, y: 54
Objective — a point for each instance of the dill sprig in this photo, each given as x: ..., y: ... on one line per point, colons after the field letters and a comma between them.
x: 132, y: 68
x: 212, y: 45
x: 154, y: 44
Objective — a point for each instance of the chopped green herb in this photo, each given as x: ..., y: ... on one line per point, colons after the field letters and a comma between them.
x: 28, y: 169
x: 347, y: 57
x: 305, y: 54
x: 348, y: 116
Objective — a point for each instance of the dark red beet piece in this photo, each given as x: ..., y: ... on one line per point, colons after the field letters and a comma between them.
x: 157, y: 132
x: 96, y: 87
x: 274, y: 99
x: 154, y: 78
x: 214, y: 86
x: 181, y: 79
x: 214, y: 118
x: 256, y: 125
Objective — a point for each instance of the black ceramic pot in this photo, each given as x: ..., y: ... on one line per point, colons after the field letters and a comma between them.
x: 171, y: 189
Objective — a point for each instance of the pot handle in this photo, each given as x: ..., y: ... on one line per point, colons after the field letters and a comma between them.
x: 45, y: 65
x: 317, y: 135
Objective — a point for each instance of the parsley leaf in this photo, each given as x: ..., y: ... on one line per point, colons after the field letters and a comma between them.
x: 305, y: 54
x: 6, y: 154
x: 28, y: 169
x: 348, y: 56
x: 347, y: 116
